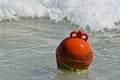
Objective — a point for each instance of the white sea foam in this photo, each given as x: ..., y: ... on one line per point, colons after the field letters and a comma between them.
x: 98, y: 14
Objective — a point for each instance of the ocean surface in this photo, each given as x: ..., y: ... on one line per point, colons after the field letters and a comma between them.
x: 30, y: 31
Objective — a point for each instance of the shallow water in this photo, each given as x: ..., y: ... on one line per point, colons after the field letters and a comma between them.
x: 27, y: 51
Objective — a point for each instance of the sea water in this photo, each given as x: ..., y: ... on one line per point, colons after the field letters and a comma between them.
x: 30, y: 31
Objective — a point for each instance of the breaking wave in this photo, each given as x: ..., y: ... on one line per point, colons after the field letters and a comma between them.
x: 98, y: 14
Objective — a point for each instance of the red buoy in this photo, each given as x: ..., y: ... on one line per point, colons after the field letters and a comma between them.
x: 74, y: 53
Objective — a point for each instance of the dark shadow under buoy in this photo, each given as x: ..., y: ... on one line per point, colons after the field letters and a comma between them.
x: 67, y: 75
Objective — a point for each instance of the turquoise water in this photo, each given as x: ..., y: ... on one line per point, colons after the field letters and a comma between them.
x: 27, y: 51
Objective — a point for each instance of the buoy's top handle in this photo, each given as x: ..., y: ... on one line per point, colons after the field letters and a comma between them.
x: 79, y: 34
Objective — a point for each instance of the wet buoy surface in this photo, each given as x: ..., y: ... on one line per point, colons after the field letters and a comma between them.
x: 74, y: 53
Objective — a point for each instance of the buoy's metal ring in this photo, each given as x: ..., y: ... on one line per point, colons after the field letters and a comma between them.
x: 73, y: 34
x: 79, y: 34
x: 84, y: 36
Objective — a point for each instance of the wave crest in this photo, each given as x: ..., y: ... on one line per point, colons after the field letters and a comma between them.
x: 98, y: 14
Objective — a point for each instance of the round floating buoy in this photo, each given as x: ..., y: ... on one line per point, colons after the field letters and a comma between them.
x: 74, y: 53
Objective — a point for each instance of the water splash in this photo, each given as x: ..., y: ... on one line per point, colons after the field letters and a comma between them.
x: 98, y: 14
